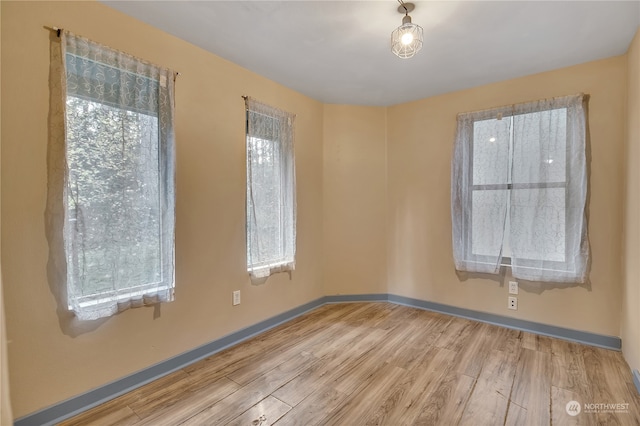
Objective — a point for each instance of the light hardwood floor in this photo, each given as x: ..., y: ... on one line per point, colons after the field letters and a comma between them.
x: 380, y: 363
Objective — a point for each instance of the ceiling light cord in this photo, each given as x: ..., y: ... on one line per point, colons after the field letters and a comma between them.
x: 406, y: 12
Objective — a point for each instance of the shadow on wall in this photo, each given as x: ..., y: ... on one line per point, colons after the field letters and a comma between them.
x: 529, y: 286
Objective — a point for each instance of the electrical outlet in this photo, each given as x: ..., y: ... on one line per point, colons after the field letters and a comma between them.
x: 236, y: 297
x: 513, y: 303
x: 513, y: 287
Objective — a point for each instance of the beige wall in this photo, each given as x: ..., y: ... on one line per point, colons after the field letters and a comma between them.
x: 6, y: 415
x: 373, y: 205
x: 48, y: 366
x: 630, y: 324
x: 355, y: 199
x: 419, y: 151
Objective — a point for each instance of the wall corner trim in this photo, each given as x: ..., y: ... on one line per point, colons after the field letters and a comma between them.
x: 80, y: 403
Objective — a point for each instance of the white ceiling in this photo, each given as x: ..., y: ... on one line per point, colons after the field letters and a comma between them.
x: 338, y: 51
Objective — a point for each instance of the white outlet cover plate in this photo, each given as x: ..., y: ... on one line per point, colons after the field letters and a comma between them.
x: 513, y: 287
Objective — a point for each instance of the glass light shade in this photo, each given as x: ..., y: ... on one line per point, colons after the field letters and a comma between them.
x: 406, y: 40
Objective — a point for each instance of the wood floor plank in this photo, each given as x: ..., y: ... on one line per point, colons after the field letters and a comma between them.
x: 191, y: 403
x: 424, y: 331
x: 346, y: 338
x: 398, y: 317
x: 264, y: 413
x: 633, y: 395
x: 517, y: 416
x: 228, y: 408
x: 161, y: 393
x: 569, y: 372
x: 603, y: 369
x: 409, y: 356
x: 108, y: 414
x: 536, y: 342
x: 328, y: 368
x: 313, y: 409
x: 370, y: 316
x: 559, y: 414
x: 490, y: 399
x: 506, y: 339
x: 369, y: 395
x: 471, y: 357
x: 398, y: 397
x: 458, y: 331
x: 532, y: 386
x: 485, y: 408
x: 385, y: 364
x: 240, y: 355
x: 379, y: 317
x: 267, y: 361
x: 272, y: 341
x: 259, y: 357
x: 446, y: 403
x: 372, y: 360
x: 430, y: 326
x: 411, y: 394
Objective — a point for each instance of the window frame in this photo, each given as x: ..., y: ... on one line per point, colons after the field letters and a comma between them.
x: 281, y: 129
x: 123, y: 69
x: 468, y: 213
x: 575, y: 267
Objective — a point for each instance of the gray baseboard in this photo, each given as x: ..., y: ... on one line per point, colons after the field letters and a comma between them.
x: 607, y: 342
x: 345, y: 298
x: 636, y: 380
x: 75, y: 405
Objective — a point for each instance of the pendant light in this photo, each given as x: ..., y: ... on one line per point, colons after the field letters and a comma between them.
x: 406, y: 40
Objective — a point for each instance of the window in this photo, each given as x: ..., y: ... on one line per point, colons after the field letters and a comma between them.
x: 271, y: 191
x: 519, y: 188
x: 119, y: 180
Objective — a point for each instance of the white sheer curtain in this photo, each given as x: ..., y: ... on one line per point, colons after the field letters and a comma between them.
x: 519, y: 190
x: 118, y: 191
x: 271, y: 190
